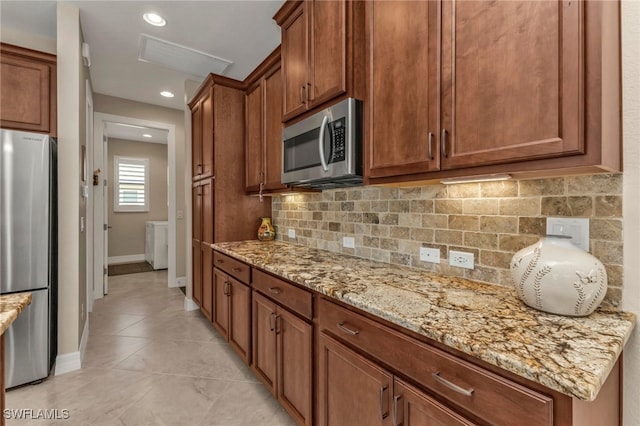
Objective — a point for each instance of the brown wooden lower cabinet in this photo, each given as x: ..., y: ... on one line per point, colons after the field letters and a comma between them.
x: 356, y: 391
x: 232, y: 312
x: 206, y: 303
x: 282, y: 356
x: 351, y: 389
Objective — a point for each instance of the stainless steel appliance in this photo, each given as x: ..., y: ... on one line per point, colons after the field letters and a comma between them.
x: 28, y: 251
x: 325, y: 150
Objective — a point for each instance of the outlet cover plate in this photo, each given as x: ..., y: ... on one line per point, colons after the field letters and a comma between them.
x: 461, y: 259
x: 576, y: 228
x: 348, y: 242
x: 291, y: 233
x: 428, y: 254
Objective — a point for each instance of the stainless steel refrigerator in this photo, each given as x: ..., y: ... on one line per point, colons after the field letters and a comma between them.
x: 28, y: 251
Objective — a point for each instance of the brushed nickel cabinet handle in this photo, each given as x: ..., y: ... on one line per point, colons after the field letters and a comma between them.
x: 443, y: 143
x: 302, y: 94
x: 278, y: 324
x: 452, y: 386
x: 272, y: 317
x: 275, y: 290
x: 430, y: 146
x: 383, y: 415
x: 342, y: 327
x: 396, y: 398
x: 236, y: 269
x: 220, y: 260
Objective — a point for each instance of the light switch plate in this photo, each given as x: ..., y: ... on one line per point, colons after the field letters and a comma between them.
x: 428, y: 254
x: 291, y: 233
x: 576, y: 228
x: 348, y: 242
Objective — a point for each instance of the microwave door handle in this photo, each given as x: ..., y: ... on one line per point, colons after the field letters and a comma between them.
x: 323, y: 161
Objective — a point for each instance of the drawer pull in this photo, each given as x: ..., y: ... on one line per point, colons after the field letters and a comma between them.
x: 220, y: 260
x: 342, y: 327
x: 452, y: 386
x: 394, y: 414
x: 275, y: 290
x: 383, y: 415
x: 237, y: 269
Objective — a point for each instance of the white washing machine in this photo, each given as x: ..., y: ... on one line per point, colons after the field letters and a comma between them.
x: 156, y: 247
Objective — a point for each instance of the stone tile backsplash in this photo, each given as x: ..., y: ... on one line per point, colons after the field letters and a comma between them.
x: 492, y: 220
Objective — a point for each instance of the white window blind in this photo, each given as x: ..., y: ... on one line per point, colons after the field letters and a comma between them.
x: 131, y: 192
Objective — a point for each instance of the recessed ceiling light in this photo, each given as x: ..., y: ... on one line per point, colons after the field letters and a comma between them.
x: 154, y: 19
x: 167, y: 94
x: 146, y: 135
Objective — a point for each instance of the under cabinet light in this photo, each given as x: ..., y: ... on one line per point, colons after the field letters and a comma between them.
x: 470, y: 179
x: 167, y: 94
x: 146, y: 135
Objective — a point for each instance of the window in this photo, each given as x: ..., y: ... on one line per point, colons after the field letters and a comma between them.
x: 131, y: 191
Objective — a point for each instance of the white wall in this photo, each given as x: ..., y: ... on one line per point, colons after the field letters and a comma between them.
x: 70, y: 125
x: 631, y: 213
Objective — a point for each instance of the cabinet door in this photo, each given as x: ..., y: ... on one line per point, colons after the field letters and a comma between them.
x: 294, y: 62
x: 220, y: 317
x: 512, y: 76
x: 415, y: 408
x: 294, y: 340
x: 25, y: 94
x: 240, y: 318
x: 272, y: 155
x: 404, y: 108
x: 342, y: 372
x: 206, y: 189
x: 328, y: 66
x: 264, y: 341
x: 253, y: 138
x: 196, y: 264
x: 196, y: 140
x: 206, y: 305
x: 207, y: 134
x: 196, y: 212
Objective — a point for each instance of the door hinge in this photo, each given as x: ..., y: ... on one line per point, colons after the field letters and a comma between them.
x: 105, y: 226
x: 104, y: 271
x: 105, y: 182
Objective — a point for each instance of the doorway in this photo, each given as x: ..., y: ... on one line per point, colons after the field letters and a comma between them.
x: 100, y: 252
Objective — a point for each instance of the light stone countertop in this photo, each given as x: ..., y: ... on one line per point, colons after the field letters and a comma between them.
x: 572, y: 355
x: 10, y: 307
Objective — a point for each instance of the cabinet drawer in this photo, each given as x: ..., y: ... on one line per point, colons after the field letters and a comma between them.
x: 290, y: 296
x: 233, y: 267
x: 486, y: 395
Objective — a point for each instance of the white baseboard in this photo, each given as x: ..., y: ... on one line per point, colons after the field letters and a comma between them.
x: 67, y: 363
x: 84, y: 339
x: 190, y: 305
x: 126, y: 259
x: 180, y: 282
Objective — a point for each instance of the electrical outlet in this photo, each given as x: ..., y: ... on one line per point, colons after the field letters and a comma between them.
x: 461, y: 259
x: 429, y: 254
x: 577, y: 229
x: 291, y: 233
x: 348, y: 242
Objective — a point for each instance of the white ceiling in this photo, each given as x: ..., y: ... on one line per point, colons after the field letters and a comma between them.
x: 134, y: 133
x: 240, y: 31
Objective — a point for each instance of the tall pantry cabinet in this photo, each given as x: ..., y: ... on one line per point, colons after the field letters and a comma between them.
x: 220, y: 209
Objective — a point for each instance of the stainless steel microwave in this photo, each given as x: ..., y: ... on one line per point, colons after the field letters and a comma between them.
x: 325, y: 150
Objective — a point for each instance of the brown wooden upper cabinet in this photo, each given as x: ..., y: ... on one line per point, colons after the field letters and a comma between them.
x: 27, y: 90
x: 202, y: 136
x: 263, y: 136
x: 464, y: 88
x: 322, y: 53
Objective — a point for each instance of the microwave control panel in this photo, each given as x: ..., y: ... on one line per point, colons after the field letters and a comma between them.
x: 338, y: 140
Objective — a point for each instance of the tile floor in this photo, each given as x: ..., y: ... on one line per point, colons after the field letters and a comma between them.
x: 149, y: 362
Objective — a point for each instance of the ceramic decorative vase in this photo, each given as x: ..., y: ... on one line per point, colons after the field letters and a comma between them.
x: 266, y: 231
x: 555, y: 276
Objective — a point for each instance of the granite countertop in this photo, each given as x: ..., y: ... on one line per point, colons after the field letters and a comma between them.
x: 572, y: 355
x: 10, y: 307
